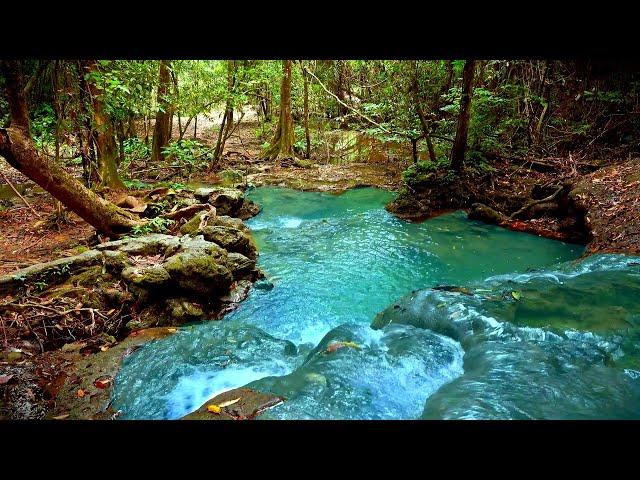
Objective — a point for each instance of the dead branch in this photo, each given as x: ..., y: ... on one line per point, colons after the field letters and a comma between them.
x: 18, y: 194
x: 550, y: 198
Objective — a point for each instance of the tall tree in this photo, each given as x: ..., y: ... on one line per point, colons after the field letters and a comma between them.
x: 227, y: 119
x: 462, y: 131
x: 282, y: 143
x: 17, y: 147
x: 424, y: 124
x: 307, y: 152
x: 162, y: 129
x: 107, y: 150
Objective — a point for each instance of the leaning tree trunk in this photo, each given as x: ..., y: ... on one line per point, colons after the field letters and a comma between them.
x: 18, y: 149
x: 460, y: 142
x: 105, y: 137
x: 162, y: 129
x: 282, y: 143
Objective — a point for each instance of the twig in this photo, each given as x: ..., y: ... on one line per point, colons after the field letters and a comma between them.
x: 344, y: 104
x: 18, y: 194
x: 537, y: 202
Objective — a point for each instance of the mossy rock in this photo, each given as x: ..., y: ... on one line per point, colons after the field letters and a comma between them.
x: 183, y: 310
x: 200, y: 271
x: 301, y: 163
x: 152, y: 276
x: 231, y: 239
x: 227, y: 200
x: 231, y: 177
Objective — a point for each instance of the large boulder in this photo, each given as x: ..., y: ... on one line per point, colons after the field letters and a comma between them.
x: 201, y: 268
x: 227, y: 201
x: 227, y: 232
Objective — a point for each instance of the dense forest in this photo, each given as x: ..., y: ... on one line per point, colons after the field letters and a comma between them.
x: 125, y: 185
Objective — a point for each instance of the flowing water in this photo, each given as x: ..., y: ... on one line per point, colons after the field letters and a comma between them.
x: 533, y: 333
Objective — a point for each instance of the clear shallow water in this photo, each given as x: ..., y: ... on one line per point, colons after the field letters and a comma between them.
x: 336, y: 261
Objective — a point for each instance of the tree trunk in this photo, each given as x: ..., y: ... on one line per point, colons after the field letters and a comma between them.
x: 414, y: 149
x: 307, y: 137
x: 340, y: 91
x: 421, y: 116
x: 462, y: 131
x: 105, y: 138
x: 282, y: 143
x: 227, y: 118
x: 162, y: 129
x: 18, y: 149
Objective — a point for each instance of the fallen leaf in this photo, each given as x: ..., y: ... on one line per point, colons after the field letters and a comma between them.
x: 229, y: 402
x: 516, y: 295
x: 338, y: 345
x: 214, y: 409
x: 5, y: 378
x: 172, y: 330
x: 103, y: 382
x: 104, y: 348
x: 61, y: 417
x: 80, y: 393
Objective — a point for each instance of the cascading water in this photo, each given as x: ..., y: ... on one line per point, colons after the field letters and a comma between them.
x: 563, y: 346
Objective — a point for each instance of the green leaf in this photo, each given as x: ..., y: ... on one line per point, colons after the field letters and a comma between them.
x: 516, y: 295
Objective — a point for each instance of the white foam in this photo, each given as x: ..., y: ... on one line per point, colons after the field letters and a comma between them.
x: 290, y: 222
x: 194, y: 390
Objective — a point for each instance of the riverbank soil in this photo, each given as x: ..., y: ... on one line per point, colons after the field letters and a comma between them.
x: 587, y: 202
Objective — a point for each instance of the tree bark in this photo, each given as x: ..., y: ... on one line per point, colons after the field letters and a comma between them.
x: 426, y: 130
x: 462, y: 131
x: 105, y: 137
x: 282, y: 143
x: 162, y: 129
x: 227, y: 118
x: 18, y: 149
x: 307, y: 137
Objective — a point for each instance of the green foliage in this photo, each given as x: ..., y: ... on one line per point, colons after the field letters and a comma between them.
x: 189, y: 153
x: 155, y: 225
x: 423, y: 171
x: 135, y: 184
x: 134, y: 150
x: 43, y: 120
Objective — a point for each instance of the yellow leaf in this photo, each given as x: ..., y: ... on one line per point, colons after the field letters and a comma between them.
x: 104, y: 348
x: 111, y: 311
x: 229, y: 402
x: 214, y: 409
x: 172, y: 330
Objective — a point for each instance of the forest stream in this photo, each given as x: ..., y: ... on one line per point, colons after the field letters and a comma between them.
x: 517, y: 326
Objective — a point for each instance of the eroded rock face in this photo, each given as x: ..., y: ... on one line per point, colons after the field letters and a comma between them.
x: 227, y: 201
x: 227, y: 232
x: 190, y: 273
